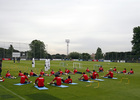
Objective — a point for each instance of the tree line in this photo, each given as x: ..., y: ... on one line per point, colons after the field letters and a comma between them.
x: 37, y: 50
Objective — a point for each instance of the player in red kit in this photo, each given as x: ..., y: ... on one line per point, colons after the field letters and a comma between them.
x: 84, y: 77
x: 61, y: 72
x: 40, y: 81
x: 75, y: 71
x: 58, y: 80
x: 131, y: 71
x: 109, y: 75
x: 94, y: 75
x: 101, y: 69
x: 67, y: 71
x: 43, y: 74
x: 52, y: 72
x: 8, y: 75
x: 87, y: 70
x: 68, y: 80
x: 114, y: 70
x: 32, y: 73
x: 124, y: 71
x: 20, y: 74
x: 23, y: 78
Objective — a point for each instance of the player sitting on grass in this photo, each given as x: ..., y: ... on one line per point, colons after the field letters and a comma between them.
x: 124, y: 71
x: 58, y: 80
x: 32, y: 73
x: 67, y: 80
x: 8, y: 75
x: 87, y: 70
x: 75, y: 71
x: 20, y: 73
x: 94, y: 75
x: 52, y: 72
x: 114, y: 70
x: 39, y: 81
x: 131, y: 71
x: 84, y: 77
x: 101, y: 69
x: 67, y: 71
x: 23, y: 77
x: 61, y: 72
x: 43, y: 74
x: 109, y: 75
x: 1, y: 79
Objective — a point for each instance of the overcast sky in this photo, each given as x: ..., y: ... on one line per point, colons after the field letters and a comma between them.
x: 88, y: 24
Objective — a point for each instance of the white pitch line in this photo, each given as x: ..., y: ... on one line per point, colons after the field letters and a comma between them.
x: 13, y: 93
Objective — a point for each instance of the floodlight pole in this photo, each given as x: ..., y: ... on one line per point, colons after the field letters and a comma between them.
x: 67, y: 41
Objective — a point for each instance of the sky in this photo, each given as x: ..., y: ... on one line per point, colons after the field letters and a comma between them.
x: 88, y: 24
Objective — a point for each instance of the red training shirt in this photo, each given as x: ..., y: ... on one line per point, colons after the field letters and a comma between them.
x: 22, y: 80
x: 40, y: 81
x: 111, y: 74
x: 85, y: 76
x: 68, y: 81
x: 58, y: 80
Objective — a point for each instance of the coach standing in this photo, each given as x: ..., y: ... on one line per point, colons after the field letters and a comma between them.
x: 0, y: 67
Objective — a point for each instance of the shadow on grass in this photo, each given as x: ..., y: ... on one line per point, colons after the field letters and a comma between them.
x: 42, y: 96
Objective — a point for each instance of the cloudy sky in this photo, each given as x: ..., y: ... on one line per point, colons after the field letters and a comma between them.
x: 88, y: 24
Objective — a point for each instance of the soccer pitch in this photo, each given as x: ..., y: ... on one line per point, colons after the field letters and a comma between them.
x: 109, y: 89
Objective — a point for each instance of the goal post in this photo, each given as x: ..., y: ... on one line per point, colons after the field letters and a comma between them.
x: 62, y: 64
x: 96, y: 67
x: 77, y: 65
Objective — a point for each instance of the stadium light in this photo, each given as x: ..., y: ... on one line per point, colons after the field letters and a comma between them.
x: 67, y: 41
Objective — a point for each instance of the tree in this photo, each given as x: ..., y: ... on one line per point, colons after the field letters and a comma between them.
x: 99, y: 54
x: 37, y: 49
x: 86, y: 56
x: 136, y: 40
x: 74, y: 55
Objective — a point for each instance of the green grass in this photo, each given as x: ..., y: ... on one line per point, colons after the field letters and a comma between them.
x: 108, y: 90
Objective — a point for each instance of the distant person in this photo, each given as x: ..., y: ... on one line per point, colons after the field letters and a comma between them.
x: 8, y: 75
x: 42, y: 73
x: 52, y: 72
x: 87, y: 70
x: 58, y: 80
x: 67, y: 80
x: 109, y: 75
x: 32, y: 73
x: 61, y: 72
x: 124, y: 71
x: 0, y: 67
x: 23, y: 78
x: 14, y: 59
x: 84, y: 77
x: 75, y: 71
x: 67, y: 71
x: 20, y: 74
x: 40, y: 81
x: 101, y: 69
x: 114, y: 70
x: 131, y: 71
x: 94, y: 75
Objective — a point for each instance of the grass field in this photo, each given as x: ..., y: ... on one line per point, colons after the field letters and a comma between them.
x: 108, y: 89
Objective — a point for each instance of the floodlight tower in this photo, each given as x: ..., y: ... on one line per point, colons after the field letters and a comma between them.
x: 67, y: 41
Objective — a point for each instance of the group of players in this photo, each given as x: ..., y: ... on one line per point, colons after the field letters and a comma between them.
x: 40, y: 80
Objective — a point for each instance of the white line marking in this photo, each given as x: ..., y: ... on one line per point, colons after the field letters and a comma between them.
x: 13, y: 93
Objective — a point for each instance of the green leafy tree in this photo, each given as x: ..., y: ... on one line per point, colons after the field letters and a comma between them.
x: 136, y: 40
x: 99, y: 54
x: 74, y: 55
x: 85, y: 56
x: 37, y: 49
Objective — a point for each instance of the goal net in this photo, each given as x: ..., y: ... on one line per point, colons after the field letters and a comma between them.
x: 77, y: 65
